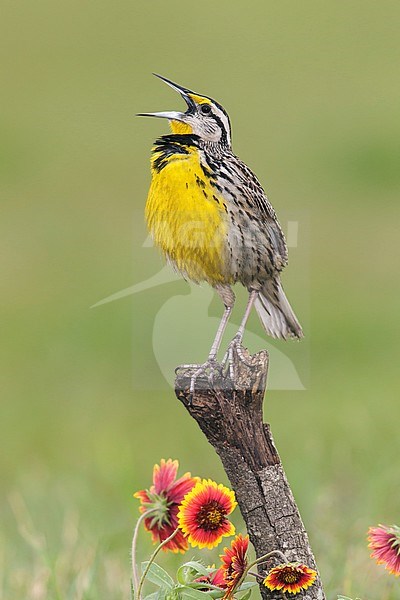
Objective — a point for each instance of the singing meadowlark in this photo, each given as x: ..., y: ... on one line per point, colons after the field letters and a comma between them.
x: 210, y: 216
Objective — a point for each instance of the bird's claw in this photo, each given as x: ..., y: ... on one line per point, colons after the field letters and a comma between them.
x: 186, y: 367
x: 209, y: 368
x: 228, y: 361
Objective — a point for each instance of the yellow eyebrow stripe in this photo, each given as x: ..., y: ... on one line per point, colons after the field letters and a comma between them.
x: 199, y: 99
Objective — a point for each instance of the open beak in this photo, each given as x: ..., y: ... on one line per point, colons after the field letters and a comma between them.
x: 173, y: 115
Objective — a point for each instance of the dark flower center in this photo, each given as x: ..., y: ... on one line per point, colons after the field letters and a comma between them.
x: 289, y: 575
x: 211, y: 516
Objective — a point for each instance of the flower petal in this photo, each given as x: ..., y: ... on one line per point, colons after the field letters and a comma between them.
x: 143, y: 496
x: 181, y: 487
x: 234, y: 562
x: 164, y: 475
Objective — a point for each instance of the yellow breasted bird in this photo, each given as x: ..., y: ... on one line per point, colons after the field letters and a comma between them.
x: 210, y: 216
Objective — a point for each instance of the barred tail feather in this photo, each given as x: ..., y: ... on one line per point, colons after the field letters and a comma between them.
x: 275, y: 312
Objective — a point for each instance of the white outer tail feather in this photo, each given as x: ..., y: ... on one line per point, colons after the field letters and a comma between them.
x: 276, y: 314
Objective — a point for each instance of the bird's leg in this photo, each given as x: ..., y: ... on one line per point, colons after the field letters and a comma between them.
x: 237, y: 340
x: 228, y: 298
x: 252, y: 298
x: 211, y: 363
x: 220, y: 332
x: 216, y: 343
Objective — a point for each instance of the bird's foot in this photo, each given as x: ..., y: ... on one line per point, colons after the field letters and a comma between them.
x: 228, y: 362
x: 207, y: 369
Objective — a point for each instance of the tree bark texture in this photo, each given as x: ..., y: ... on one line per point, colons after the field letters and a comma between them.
x: 229, y: 412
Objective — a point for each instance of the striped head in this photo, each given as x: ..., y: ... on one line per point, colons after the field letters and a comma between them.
x: 204, y: 117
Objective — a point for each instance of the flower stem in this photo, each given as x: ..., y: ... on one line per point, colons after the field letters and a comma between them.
x: 151, y: 560
x: 264, y: 557
x: 135, y: 576
x: 256, y: 575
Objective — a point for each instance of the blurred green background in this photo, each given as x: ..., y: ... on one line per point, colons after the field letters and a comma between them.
x: 312, y: 89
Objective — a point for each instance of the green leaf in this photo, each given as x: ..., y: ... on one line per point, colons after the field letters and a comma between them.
x: 215, y: 593
x: 184, y: 571
x: 158, y: 595
x: 247, y: 588
x: 247, y: 585
x: 340, y: 597
x: 247, y: 595
x: 191, y: 593
x: 158, y: 576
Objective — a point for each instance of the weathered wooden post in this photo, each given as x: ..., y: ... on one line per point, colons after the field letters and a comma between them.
x: 229, y: 412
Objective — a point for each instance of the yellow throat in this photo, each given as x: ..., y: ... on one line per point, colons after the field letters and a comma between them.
x: 185, y: 214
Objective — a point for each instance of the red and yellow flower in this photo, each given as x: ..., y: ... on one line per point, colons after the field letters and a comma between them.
x: 290, y: 577
x: 163, y: 499
x: 234, y: 563
x: 385, y: 544
x: 203, y: 514
x: 215, y: 577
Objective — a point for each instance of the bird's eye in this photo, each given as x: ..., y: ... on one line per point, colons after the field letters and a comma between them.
x: 205, y: 109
